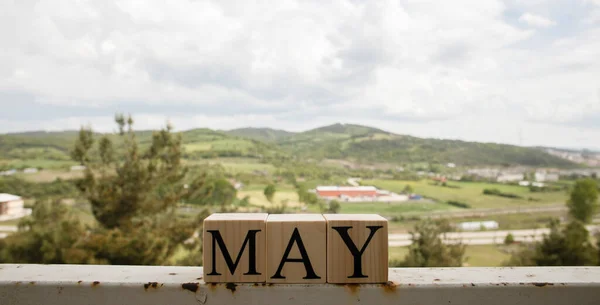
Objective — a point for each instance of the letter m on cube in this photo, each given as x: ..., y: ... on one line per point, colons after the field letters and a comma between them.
x: 234, y: 247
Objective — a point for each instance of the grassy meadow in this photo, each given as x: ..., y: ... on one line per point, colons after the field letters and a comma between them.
x: 393, y: 208
x: 472, y: 193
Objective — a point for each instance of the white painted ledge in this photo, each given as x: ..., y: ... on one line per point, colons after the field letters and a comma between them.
x: 131, y: 285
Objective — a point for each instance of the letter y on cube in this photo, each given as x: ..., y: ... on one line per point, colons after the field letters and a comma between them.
x: 357, y: 248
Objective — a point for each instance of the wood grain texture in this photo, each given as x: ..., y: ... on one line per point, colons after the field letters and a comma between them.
x: 346, y: 238
x: 296, y: 248
x: 243, y: 233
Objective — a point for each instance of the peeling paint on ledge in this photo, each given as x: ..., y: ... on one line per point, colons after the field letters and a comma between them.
x: 390, y: 287
x: 65, y: 284
x: 542, y: 284
x: 193, y: 287
x: 231, y: 286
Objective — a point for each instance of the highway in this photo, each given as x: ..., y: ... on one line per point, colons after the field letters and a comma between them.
x: 8, y: 229
x: 467, y: 238
x: 5, y: 230
x: 481, y: 237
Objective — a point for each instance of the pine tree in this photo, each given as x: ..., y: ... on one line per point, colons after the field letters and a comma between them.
x: 583, y: 201
x: 51, y: 235
x: 212, y: 189
x: 428, y: 250
x: 568, y: 246
x: 134, y: 194
x: 270, y: 192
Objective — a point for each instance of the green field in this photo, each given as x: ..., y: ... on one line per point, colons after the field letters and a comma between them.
x: 37, y: 163
x: 236, y: 165
x: 476, y: 255
x: 220, y: 145
x: 257, y: 198
x: 505, y: 222
x: 392, y: 208
x: 197, y: 147
x: 12, y: 222
x: 472, y: 193
x: 51, y: 175
x: 485, y: 256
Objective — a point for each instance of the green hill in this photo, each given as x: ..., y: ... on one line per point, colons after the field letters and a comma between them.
x: 29, y: 148
x: 260, y: 134
x: 366, y: 144
x: 29, y: 145
x: 339, y: 141
x: 207, y: 143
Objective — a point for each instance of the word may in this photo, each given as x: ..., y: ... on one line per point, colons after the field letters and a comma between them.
x: 295, y: 248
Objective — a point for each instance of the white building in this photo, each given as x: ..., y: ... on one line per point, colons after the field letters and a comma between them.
x: 544, y: 177
x: 484, y: 172
x: 506, y: 177
x: 478, y: 225
x: 11, y: 205
x: 77, y: 168
x: 8, y: 172
x: 31, y: 170
x: 538, y: 184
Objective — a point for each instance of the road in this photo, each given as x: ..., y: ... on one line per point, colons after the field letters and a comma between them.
x: 5, y: 230
x: 8, y: 229
x: 481, y: 238
x: 353, y: 181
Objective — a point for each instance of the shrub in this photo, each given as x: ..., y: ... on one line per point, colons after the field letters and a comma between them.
x: 458, y: 204
x: 509, y: 239
x: 497, y: 192
x: 334, y: 207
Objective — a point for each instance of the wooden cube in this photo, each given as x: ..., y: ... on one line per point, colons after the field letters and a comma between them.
x: 296, y: 248
x: 357, y: 248
x: 234, y: 247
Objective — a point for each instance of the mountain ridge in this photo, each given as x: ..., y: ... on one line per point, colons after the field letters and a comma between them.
x: 351, y: 142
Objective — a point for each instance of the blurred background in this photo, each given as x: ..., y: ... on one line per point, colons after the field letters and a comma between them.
x: 472, y: 126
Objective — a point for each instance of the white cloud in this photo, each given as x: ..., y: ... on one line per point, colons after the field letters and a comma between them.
x: 405, y: 65
x: 536, y: 20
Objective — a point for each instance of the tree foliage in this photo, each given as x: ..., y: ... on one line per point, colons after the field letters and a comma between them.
x: 133, y: 193
x: 333, y: 207
x: 428, y: 250
x: 568, y: 246
x: 509, y: 239
x: 51, y: 235
x: 583, y: 201
x: 137, y: 183
x: 270, y: 192
x: 212, y: 189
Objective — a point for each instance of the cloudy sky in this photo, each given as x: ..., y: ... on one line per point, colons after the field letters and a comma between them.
x: 520, y: 72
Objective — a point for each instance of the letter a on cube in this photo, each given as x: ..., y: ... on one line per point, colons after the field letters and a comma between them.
x: 296, y: 248
x: 234, y: 247
x: 357, y: 248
